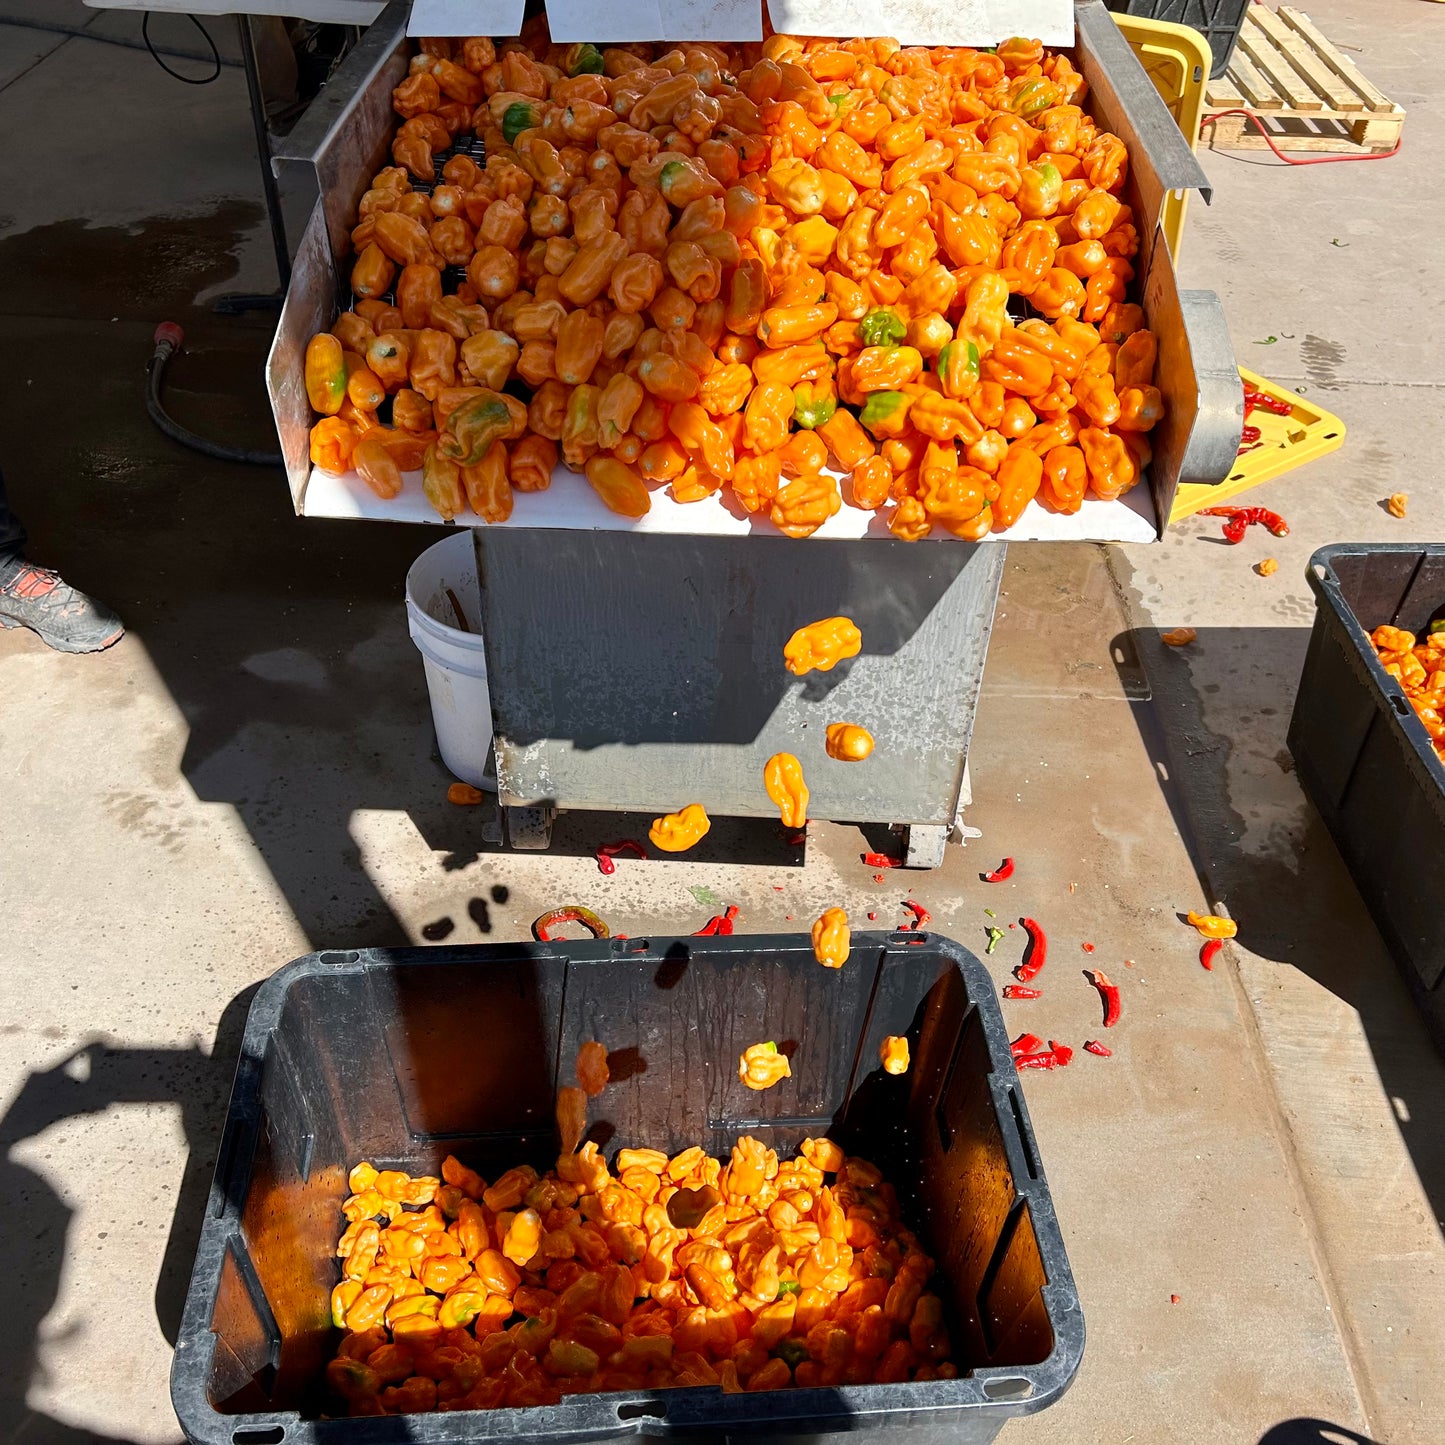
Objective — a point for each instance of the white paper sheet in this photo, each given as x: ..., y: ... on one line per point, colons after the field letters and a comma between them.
x: 929, y: 22
x: 342, y: 12
x: 622, y: 20
x: 465, y: 17
x: 570, y: 504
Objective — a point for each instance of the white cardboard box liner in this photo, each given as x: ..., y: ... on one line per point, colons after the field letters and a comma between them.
x: 911, y: 22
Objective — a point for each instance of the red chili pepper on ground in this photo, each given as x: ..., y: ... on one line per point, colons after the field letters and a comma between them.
x: 881, y: 860
x: 1207, y: 953
x: 1015, y: 990
x: 1263, y: 399
x: 1238, y: 518
x: 1038, y: 951
x: 1004, y: 870
x: 921, y: 916
x: 1109, y: 992
x: 1056, y: 1056
x: 1095, y: 1047
x: 571, y: 913
x: 719, y: 923
x: 1087, y: 947
x: 608, y: 851
x: 1025, y: 1044
x: 873, y: 916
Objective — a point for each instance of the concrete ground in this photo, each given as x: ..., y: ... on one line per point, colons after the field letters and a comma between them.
x: 249, y: 776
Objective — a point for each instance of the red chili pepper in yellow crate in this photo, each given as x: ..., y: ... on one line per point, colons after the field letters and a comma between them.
x: 1263, y: 399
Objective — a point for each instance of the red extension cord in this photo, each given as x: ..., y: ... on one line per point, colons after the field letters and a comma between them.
x: 1293, y: 160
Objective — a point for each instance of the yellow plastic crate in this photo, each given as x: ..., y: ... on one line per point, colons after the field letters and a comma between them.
x: 1177, y: 59
x: 1309, y: 431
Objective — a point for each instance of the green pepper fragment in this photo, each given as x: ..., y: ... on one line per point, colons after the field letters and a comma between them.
x: 882, y: 327
x: 585, y: 60
x: 880, y: 406
x: 791, y: 1352
x: 995, y: 936
x: 519, y: 117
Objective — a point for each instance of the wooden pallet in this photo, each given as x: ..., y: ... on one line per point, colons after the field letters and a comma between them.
x: 1309, y: 96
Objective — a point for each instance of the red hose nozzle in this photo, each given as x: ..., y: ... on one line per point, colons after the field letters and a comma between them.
x: 169, y: 332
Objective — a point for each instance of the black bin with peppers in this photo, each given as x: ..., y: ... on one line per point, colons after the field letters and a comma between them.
x: 1365, y: 758
x: 405, y: 1057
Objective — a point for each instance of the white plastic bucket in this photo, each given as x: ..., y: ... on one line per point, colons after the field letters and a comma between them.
x: 441, y: 579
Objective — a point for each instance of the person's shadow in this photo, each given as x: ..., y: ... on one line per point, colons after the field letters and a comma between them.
x: 33, y: 1243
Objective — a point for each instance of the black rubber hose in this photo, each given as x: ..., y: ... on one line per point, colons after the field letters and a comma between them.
x: 169, y: 337
x: 79, y: 32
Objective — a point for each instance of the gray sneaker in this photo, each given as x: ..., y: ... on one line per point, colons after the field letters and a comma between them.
x: 67, y: 620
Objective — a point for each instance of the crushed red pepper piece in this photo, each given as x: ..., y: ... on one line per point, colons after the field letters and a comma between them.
x: 1016, y: 990
x: 1093, y: 1046
x: 1236, y: 519
x: 1262, y: 399
x: 608, y: 851
x: 1038, y: 951
x: 877, y: 877
x: 571, y: 913
x: 718, y: 924
x: 1056, y: 1056
x: 921, y: 916
x: 881, y: 860
x: 873, y: 916
x: 1087, y: 947
x: 1210, y: 949
x: 1004, y: 870
x: 1109, y: 992
x: 1025, y: 1044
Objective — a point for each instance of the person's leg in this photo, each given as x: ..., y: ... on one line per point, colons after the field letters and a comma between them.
x: 12, y: 534
x: 35, y: 597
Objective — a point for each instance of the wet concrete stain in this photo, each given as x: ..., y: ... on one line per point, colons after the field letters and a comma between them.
x: 1322, y: 361
x: 151, y: 269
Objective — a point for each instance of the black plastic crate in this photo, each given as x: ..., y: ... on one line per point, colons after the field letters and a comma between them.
x: 1366, y: 760
x: 1218, y: 21
x: 404, y: 1056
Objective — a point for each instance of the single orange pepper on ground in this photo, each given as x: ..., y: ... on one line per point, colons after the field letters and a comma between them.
x: 677, y: 832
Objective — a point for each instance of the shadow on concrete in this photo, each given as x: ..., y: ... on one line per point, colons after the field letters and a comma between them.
x: 1311, y: 1432
x: 33, y: 1244
x: 1289, y: 888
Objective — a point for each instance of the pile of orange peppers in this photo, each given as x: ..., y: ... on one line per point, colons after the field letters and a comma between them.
x: 753, y: 1274
x: 1418, y: 665
x: 789, y: 272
